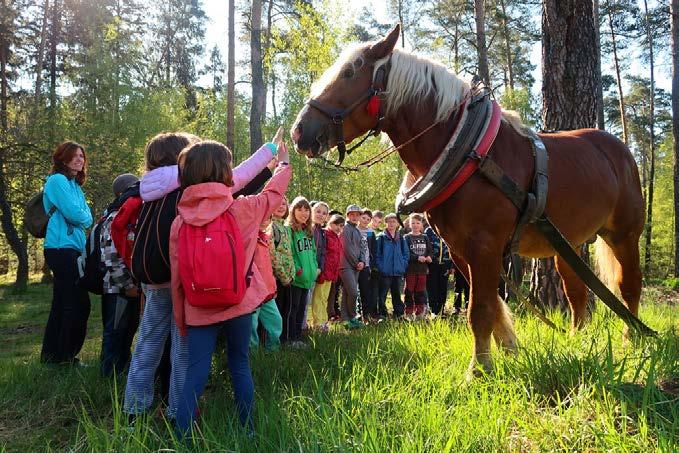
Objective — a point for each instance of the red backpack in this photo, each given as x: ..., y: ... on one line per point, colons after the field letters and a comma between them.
x: 212, y: 263
x: 124, y: 228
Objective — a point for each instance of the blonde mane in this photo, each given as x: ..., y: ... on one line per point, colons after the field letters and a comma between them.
x: 412, y: 79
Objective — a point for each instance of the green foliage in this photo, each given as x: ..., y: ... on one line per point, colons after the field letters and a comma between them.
x: 672, y: 283
x: 523, y: 102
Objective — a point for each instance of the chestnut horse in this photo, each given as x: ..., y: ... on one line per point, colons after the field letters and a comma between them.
x: 594, y: 182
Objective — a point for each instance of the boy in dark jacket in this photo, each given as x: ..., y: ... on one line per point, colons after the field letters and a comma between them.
x: 368, y: 278
x: 439, y: 270
x: 391, y: 257
x: 416, y: 275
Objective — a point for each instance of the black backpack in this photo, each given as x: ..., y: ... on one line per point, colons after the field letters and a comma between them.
x: 90, y: 265
x: 35, y: 217
x: 151, y: 251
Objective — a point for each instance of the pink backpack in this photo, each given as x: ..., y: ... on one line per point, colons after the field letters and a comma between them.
x: 212, y: 262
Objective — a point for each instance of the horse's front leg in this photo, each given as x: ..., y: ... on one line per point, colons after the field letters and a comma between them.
x: 487, y: 314
x: 503, y: 326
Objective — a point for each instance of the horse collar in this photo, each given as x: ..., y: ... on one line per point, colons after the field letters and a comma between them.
x: 474, y: 134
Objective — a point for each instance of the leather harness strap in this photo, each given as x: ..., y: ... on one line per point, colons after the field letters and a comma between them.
x: 583, y: 271
x: 531, y: 205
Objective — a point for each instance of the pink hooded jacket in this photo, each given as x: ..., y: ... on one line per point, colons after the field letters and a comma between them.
x: 159, y: 182
x: 202, y: 203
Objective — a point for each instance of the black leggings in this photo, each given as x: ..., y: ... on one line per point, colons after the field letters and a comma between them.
x: 67, y: 323
x: 291, y: 301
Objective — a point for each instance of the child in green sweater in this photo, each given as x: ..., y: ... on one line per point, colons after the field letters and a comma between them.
x: 306, y: 270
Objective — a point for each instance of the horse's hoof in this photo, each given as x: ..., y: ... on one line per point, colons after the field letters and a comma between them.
x: 478, y: 370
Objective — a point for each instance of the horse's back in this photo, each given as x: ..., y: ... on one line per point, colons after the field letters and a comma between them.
x: 592, y: 175
x: 601, y: 142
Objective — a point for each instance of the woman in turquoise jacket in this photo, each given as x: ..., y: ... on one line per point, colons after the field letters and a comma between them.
x: 69, y: 216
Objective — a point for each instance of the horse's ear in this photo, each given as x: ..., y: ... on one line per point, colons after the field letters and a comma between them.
x: 386, y: 45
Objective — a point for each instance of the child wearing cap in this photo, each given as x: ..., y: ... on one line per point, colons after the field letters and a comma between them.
x: 353, y: 262
x: 120, y: 296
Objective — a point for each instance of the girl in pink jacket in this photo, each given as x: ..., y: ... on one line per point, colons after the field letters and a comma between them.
x: 160, y: 184
x: 205, y: 170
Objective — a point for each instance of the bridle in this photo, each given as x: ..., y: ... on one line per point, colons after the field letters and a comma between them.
x: 374, y: 107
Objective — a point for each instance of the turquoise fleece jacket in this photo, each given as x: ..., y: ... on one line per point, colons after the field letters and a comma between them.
x: 66, y: 227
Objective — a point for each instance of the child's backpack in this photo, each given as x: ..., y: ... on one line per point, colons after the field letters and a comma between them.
x: 150, y: 261
x: 211, y: 263
x: 124, y: 228
x: 35, y: 217
x: 90, y: 266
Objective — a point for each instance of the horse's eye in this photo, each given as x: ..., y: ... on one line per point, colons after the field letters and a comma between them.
x: 348, y: 73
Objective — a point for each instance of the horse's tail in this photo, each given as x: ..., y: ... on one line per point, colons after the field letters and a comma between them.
x: 607, y: 264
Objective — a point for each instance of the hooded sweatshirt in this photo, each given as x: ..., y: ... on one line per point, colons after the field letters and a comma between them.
x: 304, y: 255
x: 159, y: 182
x: 164, y: 181
x: 201, y: 204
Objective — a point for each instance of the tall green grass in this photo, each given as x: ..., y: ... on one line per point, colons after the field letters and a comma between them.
x: 391, y: 387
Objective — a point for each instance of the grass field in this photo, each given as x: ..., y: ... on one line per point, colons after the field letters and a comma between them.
x: 391, y: 387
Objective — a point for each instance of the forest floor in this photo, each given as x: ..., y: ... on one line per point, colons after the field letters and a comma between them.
x: 389, y: 387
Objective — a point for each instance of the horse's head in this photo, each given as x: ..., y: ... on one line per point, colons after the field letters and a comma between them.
x: 345, y: 102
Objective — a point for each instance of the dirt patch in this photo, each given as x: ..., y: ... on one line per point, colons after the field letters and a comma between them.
x: 670, y: 386
x: 22, y: 329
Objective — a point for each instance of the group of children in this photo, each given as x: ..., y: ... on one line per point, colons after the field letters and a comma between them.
x: 207, y: 251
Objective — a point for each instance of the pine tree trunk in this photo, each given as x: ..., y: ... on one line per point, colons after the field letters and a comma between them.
x: 674, y: 12
x: 40, y: 60
x: 569, y: 84
x: 265, y: 50
x: 456, y: 50
x: 258, y: 91
x: 481, y: 50
x: 546, y: 285
x: 651, y: 174
x: 600, y: 89
x: 231, y: 80
x: 54, y: 40
x: 569, y: 65
x: 403, y: 26
x: 6, y: 214
x: 508, y: 47
x: 618, y: 78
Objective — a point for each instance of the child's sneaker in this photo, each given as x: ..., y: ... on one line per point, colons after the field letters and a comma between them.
x: 298, y: 345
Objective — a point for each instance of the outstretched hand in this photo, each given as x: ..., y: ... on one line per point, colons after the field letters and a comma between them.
x: 278, y: 138
x: 283, y: 154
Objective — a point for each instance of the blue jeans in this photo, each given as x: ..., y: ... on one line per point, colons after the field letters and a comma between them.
x: 120, y: 316
x: 201, y: 342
